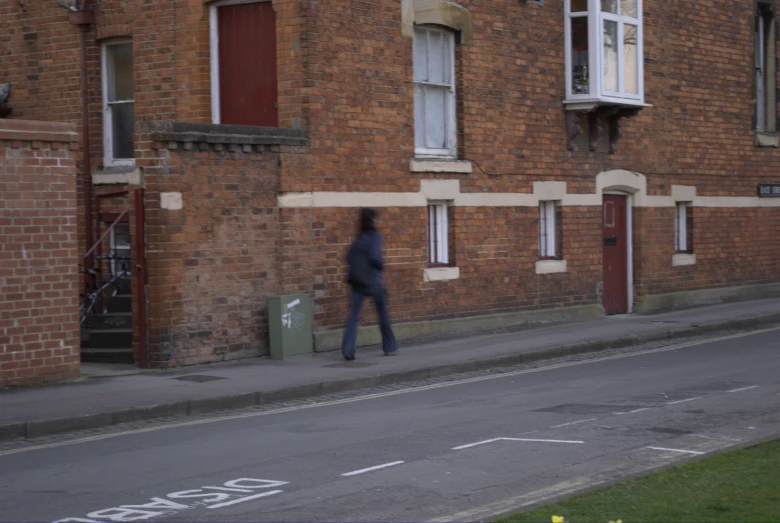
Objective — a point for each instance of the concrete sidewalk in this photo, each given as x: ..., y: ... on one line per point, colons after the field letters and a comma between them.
x: 139, y: 395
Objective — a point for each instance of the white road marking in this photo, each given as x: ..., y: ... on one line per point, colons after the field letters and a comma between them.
x: 682, y: 401
x: 744, y: 388
x: 369, y: 469
x: 248, y: 498
x: 469, y: 445
x: 160, y: 506
x: 678, y: 450
x: 378, y: 395
x: 572, y: 423
x: 639, y: 410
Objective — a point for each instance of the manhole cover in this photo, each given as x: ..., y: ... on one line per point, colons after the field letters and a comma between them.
x: 349, y: 365
x: 199, y: 378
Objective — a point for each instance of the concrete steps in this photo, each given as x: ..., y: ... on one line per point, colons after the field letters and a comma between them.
x: 108, y: 337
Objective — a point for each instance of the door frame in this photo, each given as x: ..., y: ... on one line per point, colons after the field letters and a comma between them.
x: 630, y: 242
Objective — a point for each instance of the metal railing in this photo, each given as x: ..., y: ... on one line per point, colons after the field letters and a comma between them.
x: 97, y: 290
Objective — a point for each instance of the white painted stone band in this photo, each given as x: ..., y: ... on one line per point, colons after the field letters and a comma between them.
x: 550, y: 266
x: 449, y: 190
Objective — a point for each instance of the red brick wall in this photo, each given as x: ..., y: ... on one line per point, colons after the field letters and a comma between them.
x: 213, y: 264
x: 39, y: 330
x: 733, y: 247
x: 345, y: 77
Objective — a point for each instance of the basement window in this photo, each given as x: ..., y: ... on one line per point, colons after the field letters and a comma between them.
x: 438, y: 235
x: 683, y: 229
x: 550, y: 231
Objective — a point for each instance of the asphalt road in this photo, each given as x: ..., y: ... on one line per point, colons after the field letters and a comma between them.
x: 461, y: 449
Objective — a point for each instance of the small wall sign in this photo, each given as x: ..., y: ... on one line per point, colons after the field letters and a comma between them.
x: 769, y: 190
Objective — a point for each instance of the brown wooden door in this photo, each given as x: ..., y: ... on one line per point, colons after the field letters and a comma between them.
x: 248, y: 91
x: 615, y: 228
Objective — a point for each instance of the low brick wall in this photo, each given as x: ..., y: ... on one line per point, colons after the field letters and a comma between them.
x: 39, y: 330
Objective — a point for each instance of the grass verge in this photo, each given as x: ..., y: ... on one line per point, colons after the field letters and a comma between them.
x: 742, y: 485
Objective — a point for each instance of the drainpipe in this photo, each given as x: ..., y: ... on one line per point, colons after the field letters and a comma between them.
x: 83, y: 18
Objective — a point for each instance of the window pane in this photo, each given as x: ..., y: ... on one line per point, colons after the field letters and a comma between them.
x: 579, y: 56
x: 435, y: 113
x: 437, y: 58
x: 122, y: 130
x: 609, y: 6
x: 628, y: 8
x: 542, y: 228
x: 760, y: 52
x: 630, y: 59
x: 420, y: 55
x: 120, y: 80
x: 610, y: 55
x: 419, y: 116
x: 121, y: 236
x: 578, y: 6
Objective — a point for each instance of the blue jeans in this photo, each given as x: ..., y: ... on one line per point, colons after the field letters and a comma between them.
x: 350, y: 333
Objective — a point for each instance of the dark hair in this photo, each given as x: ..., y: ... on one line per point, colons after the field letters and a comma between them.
x: 367, y: 217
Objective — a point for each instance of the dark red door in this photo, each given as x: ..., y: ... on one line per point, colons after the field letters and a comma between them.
x: 615, y: 254
x: 248, y: 92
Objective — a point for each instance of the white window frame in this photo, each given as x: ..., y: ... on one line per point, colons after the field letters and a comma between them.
x: 596, y: 19
x: 438, y: 233
x: 681, y: 227
x: 108, y: 119
x: 548, y: 226
x: 450, y: 121
x: 216, y: 116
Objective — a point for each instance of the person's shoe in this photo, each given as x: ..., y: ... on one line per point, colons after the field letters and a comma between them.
x: 349, y: 358
x: 391, y: 353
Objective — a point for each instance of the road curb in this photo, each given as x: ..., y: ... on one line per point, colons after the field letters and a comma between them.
x: 46, y: 427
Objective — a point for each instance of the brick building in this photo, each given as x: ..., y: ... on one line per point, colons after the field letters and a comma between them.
x: 533, y: 160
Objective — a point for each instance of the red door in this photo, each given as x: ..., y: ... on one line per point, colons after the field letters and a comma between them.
x: 615, y: 254
x: 248, y: 91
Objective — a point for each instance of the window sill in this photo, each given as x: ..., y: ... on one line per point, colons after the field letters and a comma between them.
x: 682, y: 260
x: 766, y: 139
x: 118, y: 175
x: 588, y: 104
x: 551, y: 266
x: 433, y: 165
x: 434, y: 274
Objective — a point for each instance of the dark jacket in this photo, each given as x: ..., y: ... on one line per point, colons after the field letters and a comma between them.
x: 365, y: 262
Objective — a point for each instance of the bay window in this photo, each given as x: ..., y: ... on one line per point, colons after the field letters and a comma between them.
x: 604, y: 52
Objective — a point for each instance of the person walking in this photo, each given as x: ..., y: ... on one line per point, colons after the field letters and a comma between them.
x: 365, y: 279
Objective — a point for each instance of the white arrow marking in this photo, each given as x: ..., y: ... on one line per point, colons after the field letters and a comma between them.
x: 514, y: 439
x: 677, y: 450
x: 744, y: 388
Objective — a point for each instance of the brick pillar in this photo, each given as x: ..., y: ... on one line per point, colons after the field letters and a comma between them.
x: 39, y: 278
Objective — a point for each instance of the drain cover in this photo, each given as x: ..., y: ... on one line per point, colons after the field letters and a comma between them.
x: 349, y: 365
x: 199, y: 378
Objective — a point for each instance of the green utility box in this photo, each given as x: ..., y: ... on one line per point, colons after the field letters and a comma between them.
x: 289, y: 326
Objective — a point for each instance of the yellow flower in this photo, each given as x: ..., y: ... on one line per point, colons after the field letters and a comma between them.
x: 557, y: 519
x: 618, y: 521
